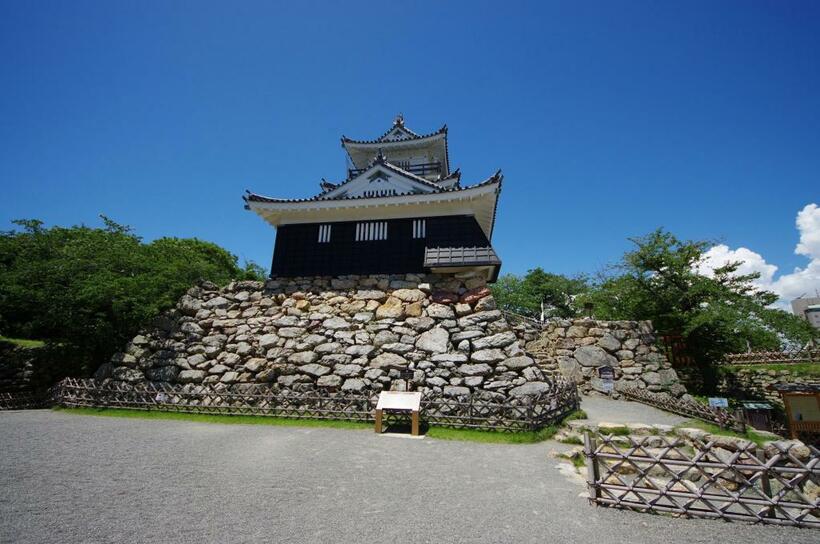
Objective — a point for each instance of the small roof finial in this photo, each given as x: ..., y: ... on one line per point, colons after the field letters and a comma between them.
x: 399, y: 120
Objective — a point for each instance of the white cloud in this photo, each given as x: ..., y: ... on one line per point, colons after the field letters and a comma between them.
x: 808, y: 223
x: 787, y: 286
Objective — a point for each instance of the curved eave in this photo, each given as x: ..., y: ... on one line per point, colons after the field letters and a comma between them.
x: 360, y: 151
x: 380, y: 141
x: 480, y: 200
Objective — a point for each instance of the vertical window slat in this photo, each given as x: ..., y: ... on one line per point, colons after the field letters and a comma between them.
x: 419, y: 228
x: 324, y: 234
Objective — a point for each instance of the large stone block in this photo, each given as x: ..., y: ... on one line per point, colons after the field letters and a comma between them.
x: 500, y: 340
x: 191, y: 376
x: 393, y: 308
x: 216, y: 302
x: 474, y: 295
x: 481, y: 369
x: 348, y: 370
x: 336, y: 324
x: 409, y: 295
x: 388, y: 360
x: 125, y: 374
x: 518, y: 362
x: 314, y: 370
x: 529, y: 389
x: 594, y: 356
x: 303, y: 357
x: 331, y: 380
x: 609, y: 343
x: 370, y: 294
x: 354, y: 385
x: 488, y: 356
x: 435, y: 340
x: 440, y: 311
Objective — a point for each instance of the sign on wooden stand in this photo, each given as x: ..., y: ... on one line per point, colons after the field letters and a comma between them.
x: 400, y: 401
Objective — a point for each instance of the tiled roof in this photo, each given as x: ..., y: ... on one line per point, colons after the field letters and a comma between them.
x: 381, y: 139
x: 495, y: 178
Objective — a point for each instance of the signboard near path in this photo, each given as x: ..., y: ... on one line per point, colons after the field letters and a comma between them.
x: 718, y: 402
x: 405, y: 401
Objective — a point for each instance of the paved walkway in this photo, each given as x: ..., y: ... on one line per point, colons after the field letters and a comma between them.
x: 69, y: 478
x: 600, y: 408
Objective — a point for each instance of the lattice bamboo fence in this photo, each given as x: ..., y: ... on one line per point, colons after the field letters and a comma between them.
x: 675, y: 405
x: 806, y: 355
x: 524, y: 414
x: 23, y: 400
x: 657, y: 474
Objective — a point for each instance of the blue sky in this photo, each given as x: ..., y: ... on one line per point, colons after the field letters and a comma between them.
x: 609, y: 119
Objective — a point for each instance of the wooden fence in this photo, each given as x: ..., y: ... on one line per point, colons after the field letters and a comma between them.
x: 721, y: 418
x: 522, y: 414
x: 796, y: 356
x: 23, y: 400
x: 704, y: 479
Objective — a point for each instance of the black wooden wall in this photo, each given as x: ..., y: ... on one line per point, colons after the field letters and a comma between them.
x: 299, y: 253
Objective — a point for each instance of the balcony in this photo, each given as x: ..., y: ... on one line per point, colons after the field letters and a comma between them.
x: 422, y: 169
x: 437, y: 257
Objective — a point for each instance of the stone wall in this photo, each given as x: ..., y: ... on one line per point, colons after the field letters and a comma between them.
x: 753, y: 382
x: 577, y: 348
x: 353, y: 334
x: 16, y: 368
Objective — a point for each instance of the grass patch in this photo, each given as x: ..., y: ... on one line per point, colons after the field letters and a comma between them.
x: 796, y: 369
x: 499, y: 437
x: 579, y: 461
x: 577, y: 414
x: 441, y: 433
x: 23, y: 343
x: 493, y: 437
x: 751, y: 435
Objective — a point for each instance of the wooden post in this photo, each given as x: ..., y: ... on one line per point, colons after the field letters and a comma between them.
x: 740, y: 415
x: 378, y: 421
x: 765, y: 484
x: 414, y: 431
x: 592, y: 466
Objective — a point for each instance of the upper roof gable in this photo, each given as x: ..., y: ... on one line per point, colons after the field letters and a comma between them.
x: 380, y: 179
x: 396, y: 133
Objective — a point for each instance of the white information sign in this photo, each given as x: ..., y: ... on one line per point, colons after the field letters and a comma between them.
x: 399, y: 400
x: 718, y: 402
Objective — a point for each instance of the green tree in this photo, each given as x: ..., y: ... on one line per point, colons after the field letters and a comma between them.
x: 525, y: 295
x: 91, y: 289
x: 659, y: 281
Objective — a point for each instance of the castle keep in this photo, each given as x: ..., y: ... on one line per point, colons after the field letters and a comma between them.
x: 380, y: 276
x: 400, y: 209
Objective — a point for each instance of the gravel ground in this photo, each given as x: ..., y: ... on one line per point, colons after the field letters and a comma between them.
x: 599, y: 408
x: 69, y: 478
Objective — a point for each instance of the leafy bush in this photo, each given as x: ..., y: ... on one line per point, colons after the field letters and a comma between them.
x: 718, y: 314
x: 91, y: 289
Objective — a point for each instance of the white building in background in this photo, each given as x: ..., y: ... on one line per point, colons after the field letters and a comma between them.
x: 808, y: 308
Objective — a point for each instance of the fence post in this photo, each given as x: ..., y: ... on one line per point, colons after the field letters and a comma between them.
x: 741, y: 417
x: 765, y: 484
x: 592, y: 466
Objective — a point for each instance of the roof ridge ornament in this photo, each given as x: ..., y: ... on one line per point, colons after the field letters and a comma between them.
x: 399, y: 120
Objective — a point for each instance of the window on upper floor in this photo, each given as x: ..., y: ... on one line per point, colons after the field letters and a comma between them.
x: 419, y: 228
x: 371, y: 230
x: 324, y: 234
